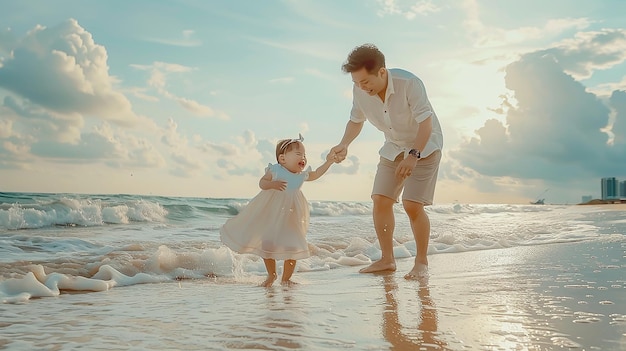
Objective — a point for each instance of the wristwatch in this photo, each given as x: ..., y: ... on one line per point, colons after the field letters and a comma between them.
x: 415, y: 153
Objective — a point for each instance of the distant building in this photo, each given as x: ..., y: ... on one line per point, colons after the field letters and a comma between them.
x: 586, y: 198
x: 610, y: 188
x: 622, y: 189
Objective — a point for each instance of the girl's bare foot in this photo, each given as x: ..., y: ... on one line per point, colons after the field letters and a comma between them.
x: 379, y: 266
x: 269, y: 281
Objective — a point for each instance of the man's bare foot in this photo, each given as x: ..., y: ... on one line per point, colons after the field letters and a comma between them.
x: 379, y: 266
x: 288, y: 282
x: 420, y: 270
x: 269, y: 281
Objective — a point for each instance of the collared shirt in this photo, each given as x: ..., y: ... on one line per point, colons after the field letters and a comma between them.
x: 406, y: 105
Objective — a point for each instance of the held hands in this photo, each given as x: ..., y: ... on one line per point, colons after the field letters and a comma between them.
x: 338, y: 153
x: 332, y: 157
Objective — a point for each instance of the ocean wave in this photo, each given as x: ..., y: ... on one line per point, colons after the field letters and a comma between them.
x: 489, y: 208
x: 72, y: 212
x: 34, y: 211
x: 140, y: 264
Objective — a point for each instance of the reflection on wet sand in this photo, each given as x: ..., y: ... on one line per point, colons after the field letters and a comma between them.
x: 279, y: 326
x: 425, y: 336
x: 283, y: 320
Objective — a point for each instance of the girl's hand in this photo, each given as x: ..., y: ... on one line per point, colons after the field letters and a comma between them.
x: 279, y: 185
x: 332, y: 157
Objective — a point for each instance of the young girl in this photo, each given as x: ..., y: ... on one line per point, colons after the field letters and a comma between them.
x: 274, y: 223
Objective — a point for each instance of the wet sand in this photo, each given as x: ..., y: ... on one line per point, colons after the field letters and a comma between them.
x: 559, y: 296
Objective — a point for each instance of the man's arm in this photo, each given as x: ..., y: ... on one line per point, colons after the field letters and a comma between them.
x: 352, y: 131
x: 423, y: 134
x: 421, y: 110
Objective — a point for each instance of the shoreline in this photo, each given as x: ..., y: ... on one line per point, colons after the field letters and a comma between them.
x: 534, y: 298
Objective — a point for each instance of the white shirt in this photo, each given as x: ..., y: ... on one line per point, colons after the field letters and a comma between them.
x: 406, y: 105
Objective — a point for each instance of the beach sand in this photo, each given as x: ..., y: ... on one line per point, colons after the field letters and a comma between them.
x: 551, y: 297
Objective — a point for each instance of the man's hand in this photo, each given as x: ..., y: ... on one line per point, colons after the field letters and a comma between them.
x: 339, y: 152
x: 331, y: 157
x: 406, y: 167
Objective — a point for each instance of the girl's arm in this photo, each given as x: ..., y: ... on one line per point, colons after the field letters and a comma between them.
x: 266, y: 182
x: 323, y: 168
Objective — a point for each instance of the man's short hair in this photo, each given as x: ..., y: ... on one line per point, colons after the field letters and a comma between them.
x: 366, y: 55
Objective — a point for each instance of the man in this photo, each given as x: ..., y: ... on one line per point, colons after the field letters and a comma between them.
x: 395, y: 102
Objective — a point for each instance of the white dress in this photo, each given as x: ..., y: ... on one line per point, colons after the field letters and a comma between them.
x: 274, y: 223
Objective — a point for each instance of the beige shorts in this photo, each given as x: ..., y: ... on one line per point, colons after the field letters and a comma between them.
x: 418, y: 187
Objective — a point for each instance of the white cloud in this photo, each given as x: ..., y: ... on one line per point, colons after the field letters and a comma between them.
x: 485, y: 36
x: 319, y: 74
x: 590, y: 51
x: 64, y: 71
x: 171, y: 137
x: 186, y: 39
x: 245, y: 155
x: 41, y: 123
x: 187, y: 164
x: 195, y: 107
x: 7, y: 43
x: 617, y: 124
x: 283, y: 80
x: 187, y: 158
x: 348, y: 166
x: 318, y: 50
x: 554, y: 131
x: 6, y: 126
x: 142, y: 93
x: 407, y: 8
x: 159, y: 72
x: 104, y: 144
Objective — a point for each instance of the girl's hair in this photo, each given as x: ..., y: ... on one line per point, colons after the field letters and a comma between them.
x: 286, y: 145
x: 366, y: 55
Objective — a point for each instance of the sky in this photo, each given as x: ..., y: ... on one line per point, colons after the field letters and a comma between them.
x: 189, y: 97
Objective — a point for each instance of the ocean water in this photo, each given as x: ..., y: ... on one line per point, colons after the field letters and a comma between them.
x: 55, y: 243
x: 127, y: 272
